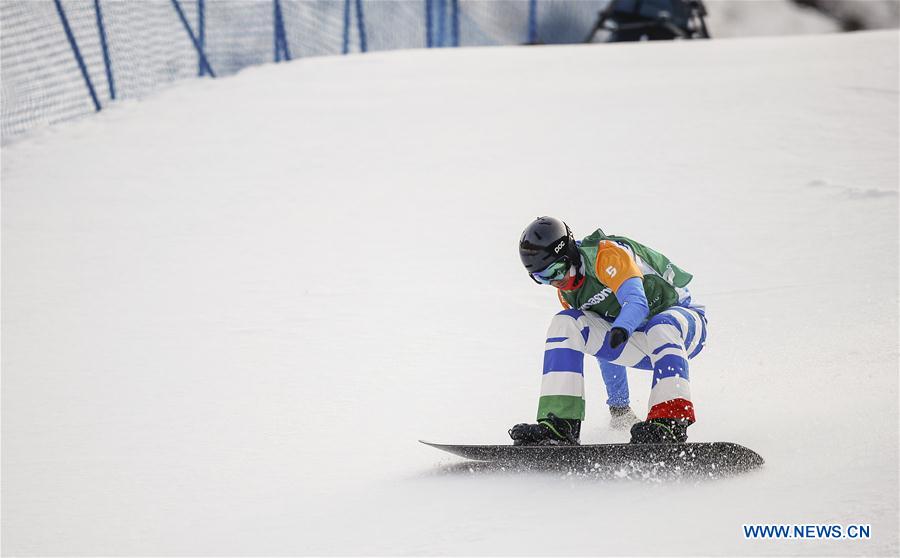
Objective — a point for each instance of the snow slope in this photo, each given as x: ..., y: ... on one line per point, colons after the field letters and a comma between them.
x: 230, y: 310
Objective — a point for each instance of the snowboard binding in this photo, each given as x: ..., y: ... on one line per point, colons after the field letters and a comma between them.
x: 548, y: 431
x: 660, y: 431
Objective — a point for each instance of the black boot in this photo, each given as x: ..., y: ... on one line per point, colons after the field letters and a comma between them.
x: 548, y: 431
x: 660, y: 431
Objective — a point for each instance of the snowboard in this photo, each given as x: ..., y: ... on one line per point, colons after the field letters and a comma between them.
x: 703, y: 458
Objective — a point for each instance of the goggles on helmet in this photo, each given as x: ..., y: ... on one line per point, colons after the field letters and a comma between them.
x: 553, y: 272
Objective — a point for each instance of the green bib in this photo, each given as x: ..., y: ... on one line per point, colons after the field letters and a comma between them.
x: 662, y: 279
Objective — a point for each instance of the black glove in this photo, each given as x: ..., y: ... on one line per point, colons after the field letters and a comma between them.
x: 617, y: 337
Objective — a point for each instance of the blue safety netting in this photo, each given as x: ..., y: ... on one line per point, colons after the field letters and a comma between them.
x: 61, y: 59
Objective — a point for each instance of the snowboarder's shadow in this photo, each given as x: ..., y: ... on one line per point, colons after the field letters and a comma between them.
x: 641, y: 472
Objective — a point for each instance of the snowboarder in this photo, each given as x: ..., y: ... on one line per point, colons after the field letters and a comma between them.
x: 651, y: 20
x: 627, y: 305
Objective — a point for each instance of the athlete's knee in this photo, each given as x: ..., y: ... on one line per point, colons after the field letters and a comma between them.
x: 567, y: 328
x: 571, y: 313
x: 665, y: 329
x: 565, y: 320
x: 663, y: 319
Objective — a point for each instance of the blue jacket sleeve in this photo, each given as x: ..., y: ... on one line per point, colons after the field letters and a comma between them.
x: 634, y: 305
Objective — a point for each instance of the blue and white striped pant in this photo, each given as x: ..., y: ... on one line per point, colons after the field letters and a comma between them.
x: 664, y: 344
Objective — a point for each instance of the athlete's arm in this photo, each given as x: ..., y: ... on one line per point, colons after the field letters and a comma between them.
x: 633, y: 300
x: 617, y: 270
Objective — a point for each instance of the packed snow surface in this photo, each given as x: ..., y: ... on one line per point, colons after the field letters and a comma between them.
x: 230, y: 310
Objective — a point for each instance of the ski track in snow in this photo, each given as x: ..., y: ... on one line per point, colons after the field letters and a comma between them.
x: 230, y: 310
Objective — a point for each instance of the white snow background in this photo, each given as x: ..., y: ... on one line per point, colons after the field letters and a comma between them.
x: 230, y: 310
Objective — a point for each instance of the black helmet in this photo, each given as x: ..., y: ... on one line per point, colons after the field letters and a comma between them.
x: 545, y: 241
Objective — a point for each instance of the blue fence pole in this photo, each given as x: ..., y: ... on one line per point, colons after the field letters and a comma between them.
x: 190, y: 32
x: 454, y: 22
x: 429, y: 24
x: 532, y: 22
x: 276, y: 39
x: 361, y: 27
x: 282, y: 51
x: 441, y: 23
x: 74, y: 44
x: 276, y: 31
x: 101, y: 29
x: 201, y: 32
x: 346, y: 46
